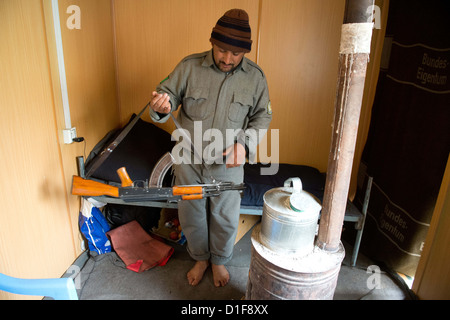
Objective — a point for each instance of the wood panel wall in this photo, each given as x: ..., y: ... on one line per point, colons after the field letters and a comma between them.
x: 35, y: 230
x: 299, y: 43
x: 39, y: 234
x: 91, y: 85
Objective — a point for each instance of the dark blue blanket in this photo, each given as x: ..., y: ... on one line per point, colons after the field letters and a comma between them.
x: 313, y: 181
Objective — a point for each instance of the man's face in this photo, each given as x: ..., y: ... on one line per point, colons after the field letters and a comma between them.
x: 226, y: 60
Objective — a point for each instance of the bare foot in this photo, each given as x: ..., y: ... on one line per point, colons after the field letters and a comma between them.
x: 220, y: 275
x: 195, y: 275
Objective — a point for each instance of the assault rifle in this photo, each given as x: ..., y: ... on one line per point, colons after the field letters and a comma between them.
x: 131, y: 192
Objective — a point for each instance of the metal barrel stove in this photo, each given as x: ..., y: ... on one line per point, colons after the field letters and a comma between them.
x: 285, y: 263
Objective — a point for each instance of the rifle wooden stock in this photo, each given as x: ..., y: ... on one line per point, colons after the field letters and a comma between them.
x: 84, y: 187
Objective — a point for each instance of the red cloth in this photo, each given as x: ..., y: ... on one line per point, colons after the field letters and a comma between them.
x: 137, y: 249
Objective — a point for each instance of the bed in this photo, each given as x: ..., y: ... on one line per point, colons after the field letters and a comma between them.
x: 144, y: 144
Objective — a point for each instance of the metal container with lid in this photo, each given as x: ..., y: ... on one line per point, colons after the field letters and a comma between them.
x: 289, y: 219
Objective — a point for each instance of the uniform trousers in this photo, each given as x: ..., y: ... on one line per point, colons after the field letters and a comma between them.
x: 210, y: 224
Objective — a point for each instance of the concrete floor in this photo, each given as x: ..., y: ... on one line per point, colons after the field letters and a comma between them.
x: 105, y: 277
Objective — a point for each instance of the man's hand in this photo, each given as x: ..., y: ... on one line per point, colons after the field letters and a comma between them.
x: 235, y: 155
x: 160, y: 102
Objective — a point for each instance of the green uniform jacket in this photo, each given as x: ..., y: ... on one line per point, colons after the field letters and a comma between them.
x: 214, y: 101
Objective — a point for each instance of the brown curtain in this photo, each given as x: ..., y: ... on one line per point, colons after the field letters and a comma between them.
x: 409, y: 136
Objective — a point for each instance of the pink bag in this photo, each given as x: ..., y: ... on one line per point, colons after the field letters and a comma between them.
x: 137, y: 249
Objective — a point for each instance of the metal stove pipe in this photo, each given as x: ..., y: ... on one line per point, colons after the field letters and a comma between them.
x: 353, y: 58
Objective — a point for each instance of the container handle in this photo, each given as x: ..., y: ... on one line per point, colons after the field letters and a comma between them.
x: 295, y: 183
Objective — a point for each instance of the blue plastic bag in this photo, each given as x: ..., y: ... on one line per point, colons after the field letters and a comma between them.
x: 94, y: 227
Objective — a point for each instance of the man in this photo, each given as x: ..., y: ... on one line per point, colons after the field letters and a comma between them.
x: 218, y: 90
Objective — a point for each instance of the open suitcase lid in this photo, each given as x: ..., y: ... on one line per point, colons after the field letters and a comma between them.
x: 93, y: 165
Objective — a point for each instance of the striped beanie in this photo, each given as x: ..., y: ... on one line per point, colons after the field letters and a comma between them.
x: 232, y: 32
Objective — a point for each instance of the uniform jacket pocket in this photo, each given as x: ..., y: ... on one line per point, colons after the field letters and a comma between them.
x: 240, y: 107
x: 195, y: 103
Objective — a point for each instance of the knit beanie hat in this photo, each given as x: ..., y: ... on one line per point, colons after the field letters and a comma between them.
x: 232, y: 32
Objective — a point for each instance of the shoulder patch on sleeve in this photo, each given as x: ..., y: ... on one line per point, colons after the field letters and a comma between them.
x: 269, y: 108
